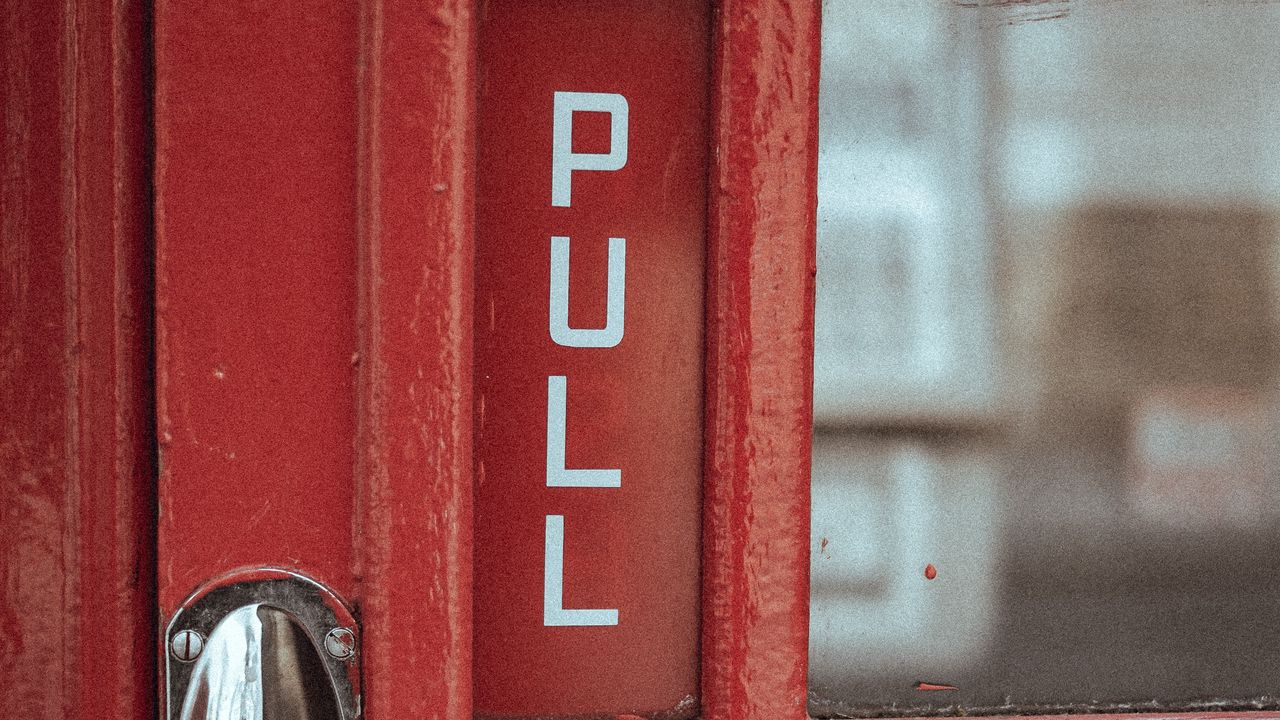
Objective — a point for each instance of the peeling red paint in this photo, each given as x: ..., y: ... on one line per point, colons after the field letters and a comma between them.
x: 930, y: 572
x: 934, y: 687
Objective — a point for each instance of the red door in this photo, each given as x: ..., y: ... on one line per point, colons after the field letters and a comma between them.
x: 437, y: 359
x: 476, y: 339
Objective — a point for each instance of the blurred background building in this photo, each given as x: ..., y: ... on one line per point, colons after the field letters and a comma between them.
x: 1047, y: 352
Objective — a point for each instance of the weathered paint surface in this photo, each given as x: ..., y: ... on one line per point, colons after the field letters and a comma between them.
x: 414, y: 239
x: 76, y: 601
x: 255, y: 119
x: 76, y: 468
x: 759, y: 360
x: 314, y: 165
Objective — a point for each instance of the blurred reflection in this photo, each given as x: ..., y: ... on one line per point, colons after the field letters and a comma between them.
x: 1047, y: 353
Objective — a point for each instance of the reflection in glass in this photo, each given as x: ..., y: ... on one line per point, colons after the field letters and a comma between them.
x: 1047, y: 355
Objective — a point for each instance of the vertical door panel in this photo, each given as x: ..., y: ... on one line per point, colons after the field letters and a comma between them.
x: 256, y: 129
x: 314, y: 203
x: 414, y: 243
x: 586, y: 586
x: 76, y: 462
x: 314, y: 352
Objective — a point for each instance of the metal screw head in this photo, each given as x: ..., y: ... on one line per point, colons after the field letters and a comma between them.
x: 340, y: 643
x: 186, y: 645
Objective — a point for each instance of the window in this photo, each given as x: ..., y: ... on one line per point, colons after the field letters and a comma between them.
x: 1047, y: 354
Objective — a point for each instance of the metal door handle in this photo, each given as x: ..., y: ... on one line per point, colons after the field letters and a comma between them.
x: 263, y: 644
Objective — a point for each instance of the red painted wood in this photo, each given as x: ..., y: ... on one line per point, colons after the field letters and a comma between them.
x: 759, y: 360
x: 256, y: 294
x: 76, y: 587
x: 314, y: 294
x: 635, y: 407
x: 415, y: 244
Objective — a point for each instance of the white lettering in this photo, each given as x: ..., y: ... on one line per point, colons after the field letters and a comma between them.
x: 609, y: 335
x: 557, y: 475
x: 564, y: 160
x: 553, y: 610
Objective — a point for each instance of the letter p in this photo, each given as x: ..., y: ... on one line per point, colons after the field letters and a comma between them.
x: 564, y: 160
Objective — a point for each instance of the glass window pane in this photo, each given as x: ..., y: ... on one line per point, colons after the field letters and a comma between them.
x: 1047, y: 344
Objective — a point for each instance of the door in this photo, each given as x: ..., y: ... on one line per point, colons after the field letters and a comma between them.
x: 277, y: 284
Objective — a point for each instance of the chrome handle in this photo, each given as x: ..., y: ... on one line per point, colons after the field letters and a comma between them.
x: 263, y: 644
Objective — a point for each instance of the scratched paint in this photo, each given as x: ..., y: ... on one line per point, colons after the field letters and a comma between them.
x: 1014, y: 12
x: 934, y: 687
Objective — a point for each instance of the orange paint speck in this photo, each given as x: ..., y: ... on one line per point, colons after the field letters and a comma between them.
x: 929, y: 687
x: 930, y: 572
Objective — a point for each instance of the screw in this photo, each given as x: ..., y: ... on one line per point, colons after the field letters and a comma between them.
x: 186, y: 645
x: 340, y: 643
